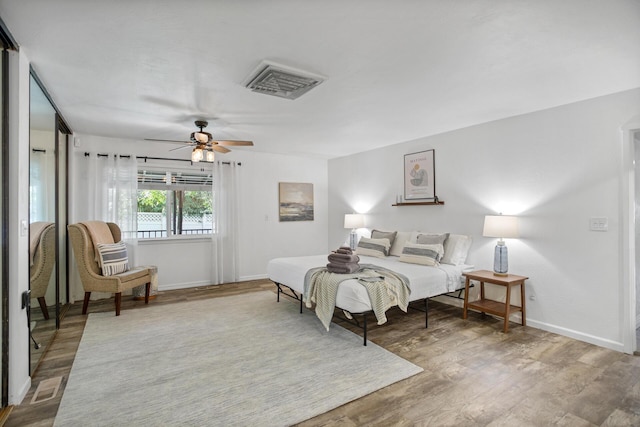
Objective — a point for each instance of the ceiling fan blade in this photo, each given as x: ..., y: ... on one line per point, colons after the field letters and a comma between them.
x: 167, y: 140
x: 219, y: 148
x: 234, y: 143
x: 180, y: 148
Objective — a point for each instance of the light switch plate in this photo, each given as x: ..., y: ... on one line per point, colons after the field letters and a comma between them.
x: 599, y: 224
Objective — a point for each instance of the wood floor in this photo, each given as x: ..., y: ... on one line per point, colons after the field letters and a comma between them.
x: 474, y: 375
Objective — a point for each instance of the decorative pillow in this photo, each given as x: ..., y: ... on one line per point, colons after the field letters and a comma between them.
x: 401, y: 238
x: 416, y: 253
x: 113, y: 258
x: 373, y: 247
x: 391, y: 235
x: 456, y: 248
x: 432, y: 239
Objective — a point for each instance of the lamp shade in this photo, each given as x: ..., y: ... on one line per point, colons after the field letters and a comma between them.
x: 353, y: 221
x: 502, y: 226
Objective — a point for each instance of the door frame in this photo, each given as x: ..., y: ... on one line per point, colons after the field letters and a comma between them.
x: 628, y: 232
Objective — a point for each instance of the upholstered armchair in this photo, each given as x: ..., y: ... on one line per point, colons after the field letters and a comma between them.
x: 43, y: 255
x: 90, y: 272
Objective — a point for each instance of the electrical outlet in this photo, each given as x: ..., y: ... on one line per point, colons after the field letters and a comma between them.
x: 599, y: 224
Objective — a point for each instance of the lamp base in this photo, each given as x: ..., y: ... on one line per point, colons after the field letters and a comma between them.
x: 353, y: 239
x: 500, y: 260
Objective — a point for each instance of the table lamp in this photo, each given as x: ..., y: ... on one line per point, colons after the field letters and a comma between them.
x: 501, y: 226
x: 353, y: 221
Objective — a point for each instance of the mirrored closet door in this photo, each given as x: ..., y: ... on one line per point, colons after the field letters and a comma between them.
x: 47, y: 220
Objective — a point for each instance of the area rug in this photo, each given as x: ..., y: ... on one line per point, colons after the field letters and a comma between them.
x: 243, y: 360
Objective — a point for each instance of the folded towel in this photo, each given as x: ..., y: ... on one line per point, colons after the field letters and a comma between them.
x: 343, y: 258
x: 343, y: 268
x: 344, y: 250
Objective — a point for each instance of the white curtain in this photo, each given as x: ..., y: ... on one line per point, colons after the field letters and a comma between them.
x: 107, y: 191
x: 41, y: 186
x: 113, y: 186
x: 225, y: 253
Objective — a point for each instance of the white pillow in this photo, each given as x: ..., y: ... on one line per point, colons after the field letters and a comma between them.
x: 373, y: 247
x: 456, y: 249
x: 401, y: 238
x: 416, y: 253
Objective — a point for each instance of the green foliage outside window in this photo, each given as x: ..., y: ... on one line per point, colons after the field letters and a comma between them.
x: 152, y: 200
x: 195, y: 202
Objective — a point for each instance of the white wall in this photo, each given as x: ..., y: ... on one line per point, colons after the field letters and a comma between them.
x: 554, y: 168
x: 19, y: 380
x: 262, y: 237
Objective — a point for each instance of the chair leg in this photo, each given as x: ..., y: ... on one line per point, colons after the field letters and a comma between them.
x: 118, y: 302
x: 43, y: 307
x: 86, y: 302
x: 147, y: 291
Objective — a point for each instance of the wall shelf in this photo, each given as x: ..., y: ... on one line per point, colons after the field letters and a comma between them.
x: 439, y: 202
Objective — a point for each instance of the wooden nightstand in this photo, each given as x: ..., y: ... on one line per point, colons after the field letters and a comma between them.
x: 495, y: 307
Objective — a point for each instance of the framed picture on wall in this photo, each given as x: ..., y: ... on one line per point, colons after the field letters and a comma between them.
x: 296, y: 201
x: 419, y: 176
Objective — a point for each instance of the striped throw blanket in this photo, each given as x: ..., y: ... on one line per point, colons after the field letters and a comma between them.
x: 386, y: 289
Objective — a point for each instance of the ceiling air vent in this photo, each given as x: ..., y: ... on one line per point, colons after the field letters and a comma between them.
x: 279, y: 80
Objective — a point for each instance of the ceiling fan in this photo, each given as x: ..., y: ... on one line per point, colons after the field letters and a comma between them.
x: 204, y: 145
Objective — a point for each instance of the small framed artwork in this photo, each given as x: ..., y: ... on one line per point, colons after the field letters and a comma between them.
x: 419, y: 176
x: 296, y: 201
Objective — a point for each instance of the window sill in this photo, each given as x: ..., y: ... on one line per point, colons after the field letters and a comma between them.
x: 175, y: 239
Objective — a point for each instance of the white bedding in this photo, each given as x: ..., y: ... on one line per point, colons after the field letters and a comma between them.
x: 424, y: 281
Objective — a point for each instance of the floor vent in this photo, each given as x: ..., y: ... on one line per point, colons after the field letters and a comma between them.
x: 282, y: 81
x: 47, y: 390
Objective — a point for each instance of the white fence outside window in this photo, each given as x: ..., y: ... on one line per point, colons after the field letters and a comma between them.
x: 152, y: 224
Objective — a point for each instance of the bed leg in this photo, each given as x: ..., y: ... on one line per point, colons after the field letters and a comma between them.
x: 426, y: 313
x: 300, y: 304
x: 364, y: 324
x: 279, y: 290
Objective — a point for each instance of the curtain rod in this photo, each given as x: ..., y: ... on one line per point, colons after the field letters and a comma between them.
x: 124, y: 156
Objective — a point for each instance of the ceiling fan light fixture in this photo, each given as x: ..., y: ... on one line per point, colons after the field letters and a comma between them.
x: 197, y: 154
x: 210, y: 156
x: 201, y: 137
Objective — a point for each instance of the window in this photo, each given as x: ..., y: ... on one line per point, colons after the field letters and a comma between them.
x: 174, y: 203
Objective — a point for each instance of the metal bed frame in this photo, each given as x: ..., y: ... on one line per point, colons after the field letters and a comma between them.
x: 286, y: 290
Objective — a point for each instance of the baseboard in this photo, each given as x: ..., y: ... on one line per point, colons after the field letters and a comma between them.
x: 517, y: 317
x: 591, y: 339
x: 254, y: 277
x: 185, y: 285
x: 17, y: 399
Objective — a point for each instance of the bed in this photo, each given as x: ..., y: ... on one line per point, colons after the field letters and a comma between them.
x: 425, y: 281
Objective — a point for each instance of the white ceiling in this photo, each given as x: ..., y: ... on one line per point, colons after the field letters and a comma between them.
x: 396, y: 71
